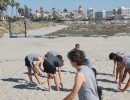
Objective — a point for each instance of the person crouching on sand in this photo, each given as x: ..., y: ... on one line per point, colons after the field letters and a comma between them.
x: 50, y: 64
x: 29, y: 62
x: 59, y: 64
x: 116, y: 64
x: 85, y: 83
x: 125, y: 63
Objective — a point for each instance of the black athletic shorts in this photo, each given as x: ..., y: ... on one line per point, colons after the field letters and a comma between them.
x: 28, y: 63
x: 48, y: 68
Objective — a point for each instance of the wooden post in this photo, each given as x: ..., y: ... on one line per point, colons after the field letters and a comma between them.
x: 10, y: 33
x: 25, y: 29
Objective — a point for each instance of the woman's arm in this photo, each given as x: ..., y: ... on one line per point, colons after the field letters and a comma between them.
x: 126, y: 86
x: 38, y: 65
x: 79, y: 79
x: 114, y: 69
x: 121, y: 67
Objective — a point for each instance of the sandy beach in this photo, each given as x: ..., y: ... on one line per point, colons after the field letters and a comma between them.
x: 13, y: 77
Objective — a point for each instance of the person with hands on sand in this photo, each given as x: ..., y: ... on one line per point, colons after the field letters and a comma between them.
x: 29, y: 62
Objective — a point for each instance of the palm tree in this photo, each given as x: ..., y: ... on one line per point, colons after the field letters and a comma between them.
x: 12, y: 4
x: 1, y: 8
x: 17, y: 6
x: 21, y: 11
x: 6, y: 6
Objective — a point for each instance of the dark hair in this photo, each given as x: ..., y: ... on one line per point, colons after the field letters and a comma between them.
x: 115, y: 57
x: 46, y: 55
x: 119, y: 59
x: 77, y: 56
x: 112, y: 56
x: 60, y: 57
x: 76, y: 45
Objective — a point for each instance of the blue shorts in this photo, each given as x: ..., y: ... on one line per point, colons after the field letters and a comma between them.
x: 28, y: 63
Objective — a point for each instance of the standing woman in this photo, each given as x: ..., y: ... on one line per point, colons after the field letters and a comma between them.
x: 85, y: 83
x: 29, y: 62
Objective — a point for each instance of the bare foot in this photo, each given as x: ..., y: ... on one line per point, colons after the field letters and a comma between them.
x: 41, y: 83
x: 49, y: 89
x: 31, y: 82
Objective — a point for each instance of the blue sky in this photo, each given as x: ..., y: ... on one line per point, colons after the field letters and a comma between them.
x: 74, y: 4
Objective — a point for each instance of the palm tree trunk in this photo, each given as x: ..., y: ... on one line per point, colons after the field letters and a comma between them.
x: 1, y: 15
x: 7, y: 13
x: 16, y: 13
x: 12, y: 13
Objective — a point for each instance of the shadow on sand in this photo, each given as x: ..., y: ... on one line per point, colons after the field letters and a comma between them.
x: 108, y: 89
x: 29, y: 86
x: 63, y: 71
x: 68, y: 71
x: 33, y: 75
x: 64, y: 89
x: 105, y: 80
x: 18, y: 80
x: 104, y: 74
x: 24, y: 85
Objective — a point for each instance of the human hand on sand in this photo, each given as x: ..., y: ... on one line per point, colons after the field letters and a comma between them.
x: 40, y: 74
x: 121, y: 90
x: 31, y: 82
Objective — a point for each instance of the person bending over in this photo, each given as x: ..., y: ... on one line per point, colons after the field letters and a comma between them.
x: 29, y: 62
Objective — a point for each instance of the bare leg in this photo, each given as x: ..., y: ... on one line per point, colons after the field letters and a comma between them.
x: 117, y: 72
x: 56, y: 82
x: 48, y: 81
x: 126, y: 86
x: 124, y: 75
x: 60, y: 76
x: 36, y: 76
x: 30, y: 74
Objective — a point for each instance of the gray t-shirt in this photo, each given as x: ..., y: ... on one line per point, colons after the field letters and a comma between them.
x: 52, y: 53
x: 124, y: 53
x: 88, y: 90
x: 120, y: 53
x: 54, y: 61
x: 33, y: 56
x: 127, y: 55
x: 89, y: 63
x: 126, y: 61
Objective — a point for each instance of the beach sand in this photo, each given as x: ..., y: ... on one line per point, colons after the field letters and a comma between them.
x: 13, y: 72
